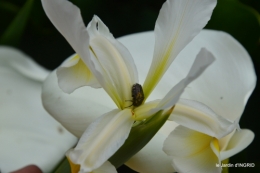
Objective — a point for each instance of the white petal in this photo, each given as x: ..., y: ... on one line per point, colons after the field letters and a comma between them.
x: 102, y: 139
x: 67, y: 19
x: 178, y: 23
x: 228, y: 82
x: 122, y: 50
x: 126, y: 57
x: 239, y: 141
x: 107, y: 167
x: 142, y: 112
x: 75, y: 73
x: 141, y: 47
x: 22, y: 64
x: 113, y: 61
x: 77, y: 110
x: 223, y: 142
x: 203, y: 60
x: 199, y: 117
x: 113, y: 72
x: 25, y: 127
x: 191, y: 151
x: 151, y: 159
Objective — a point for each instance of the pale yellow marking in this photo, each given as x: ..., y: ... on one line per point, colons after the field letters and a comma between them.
x: 160, y: 69
x: 215, y: 144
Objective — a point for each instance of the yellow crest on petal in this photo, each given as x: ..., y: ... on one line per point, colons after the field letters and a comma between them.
x: 215, y: 144
x: 73, y: 167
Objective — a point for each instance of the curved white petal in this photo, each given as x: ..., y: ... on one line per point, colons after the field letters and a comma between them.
x: 102, y: 54
x: 178, y: 23
x: 102, y: 139
x: 142, y: 112
x: 191, y: 151
x: 25, y: 127
x: 203, y: 60
x: 75, y: 73
x: 107, y: 167
x: 151, y: 159
x: 67, y: 19
x: 239, y: 141
x: 122, y: 50
x: 22, y: 64
x: 223, y: 142
x: 77, y: 110
x: 199, y: 117
x: 228, y: 82
x: 113, y: 61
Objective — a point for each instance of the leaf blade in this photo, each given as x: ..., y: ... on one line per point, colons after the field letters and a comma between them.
x: 14, y: 31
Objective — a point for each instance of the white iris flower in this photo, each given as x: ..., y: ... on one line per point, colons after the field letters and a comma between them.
x: 222, y: 91
x: 102, y: 61
x: 225, y: 87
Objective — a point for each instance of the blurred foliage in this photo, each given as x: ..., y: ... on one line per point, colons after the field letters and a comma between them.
x: 241, y: 21
x: 63, y: 167
x: 255, y: 4
x: 14, y: 31
x: 25, y: 25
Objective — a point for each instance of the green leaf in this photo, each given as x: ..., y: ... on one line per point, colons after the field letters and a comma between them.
x: 63, y: 167
x: 252, y: 3
x: 14, y: 31
x: 8, y: 6
x: 139, y: 136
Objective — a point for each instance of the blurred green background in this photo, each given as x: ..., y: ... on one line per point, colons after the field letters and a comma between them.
x: 25, y: 26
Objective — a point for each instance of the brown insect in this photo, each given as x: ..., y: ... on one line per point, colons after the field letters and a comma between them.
x: 137, y: 94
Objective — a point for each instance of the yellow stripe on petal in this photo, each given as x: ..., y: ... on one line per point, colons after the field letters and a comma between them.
x: 116, y: 70
x: 74, y: 74
x: 214, y: 144
x: 73, y: 167
x: 192, y: 151
x: 75, y: 58
x: 177, y: 24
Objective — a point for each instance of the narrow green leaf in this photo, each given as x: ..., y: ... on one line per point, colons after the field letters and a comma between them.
x: 14, y: 31
x: 63, y: 167
x: 139, y: 136
x: 8, y: 6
